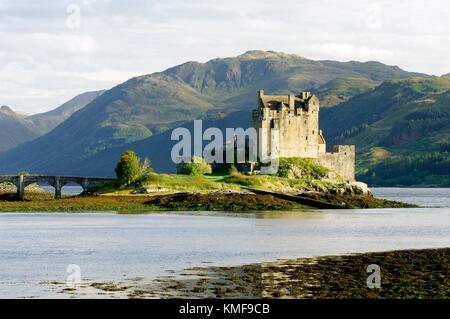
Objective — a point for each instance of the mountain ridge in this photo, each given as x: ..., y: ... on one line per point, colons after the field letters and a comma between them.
x: 14, y: 129
x: 19, y: 128
x: 47, y: 121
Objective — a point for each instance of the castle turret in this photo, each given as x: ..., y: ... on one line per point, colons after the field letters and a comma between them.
x: 298, y: 128
x: 291, y: 102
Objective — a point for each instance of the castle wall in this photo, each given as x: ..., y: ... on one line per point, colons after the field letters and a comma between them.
x: 298, y: 129
x: 341, y: 161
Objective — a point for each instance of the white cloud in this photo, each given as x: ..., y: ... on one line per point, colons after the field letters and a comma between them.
x: 43, y: 62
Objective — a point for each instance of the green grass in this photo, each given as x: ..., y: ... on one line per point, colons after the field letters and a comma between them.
x: 186, y: 183
x: 310, y: 179
x: 306, y: 166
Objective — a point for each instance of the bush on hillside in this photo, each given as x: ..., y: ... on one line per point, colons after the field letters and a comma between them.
x: 197, y: 166
x: 304, y: 166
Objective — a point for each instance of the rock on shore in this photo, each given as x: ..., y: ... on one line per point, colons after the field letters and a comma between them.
x: 8, y: 188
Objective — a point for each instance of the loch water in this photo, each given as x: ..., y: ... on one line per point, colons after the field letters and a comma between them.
x: 37, y: 248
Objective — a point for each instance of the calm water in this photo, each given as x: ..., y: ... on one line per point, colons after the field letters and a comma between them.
x: 425, y: 197
x: 36, y: 247
x: 66, y: 190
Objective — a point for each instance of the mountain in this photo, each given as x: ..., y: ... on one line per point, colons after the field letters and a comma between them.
x: 340, y: 90
x: 146, y: 107
x: 234, y: 81
x: 14, y: 129
x: 401, y: 131
x: 45, y: 122
x: 17, y: 128
x: 447, y: 75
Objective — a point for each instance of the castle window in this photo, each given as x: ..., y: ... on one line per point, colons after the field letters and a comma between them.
x: 313, y: 132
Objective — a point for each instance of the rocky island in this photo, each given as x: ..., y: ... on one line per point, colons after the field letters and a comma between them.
x: 230, y: 191
x: 305, y: 176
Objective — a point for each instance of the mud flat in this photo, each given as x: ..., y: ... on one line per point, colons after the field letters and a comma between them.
x: 145, y: 203
x: 408, y: 274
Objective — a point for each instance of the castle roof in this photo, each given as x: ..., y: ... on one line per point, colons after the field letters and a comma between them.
x: 274, y: 101
x: 277, y: 101
x: 321, y: 139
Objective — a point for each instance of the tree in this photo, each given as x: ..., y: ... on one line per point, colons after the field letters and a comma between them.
x: 195, y: 167
x: 128, y: 169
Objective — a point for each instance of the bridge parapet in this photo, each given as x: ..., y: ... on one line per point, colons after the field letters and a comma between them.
x: 89, y: 184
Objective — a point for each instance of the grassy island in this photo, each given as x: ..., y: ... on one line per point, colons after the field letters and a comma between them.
x: 298, y: 184
x: 184, y: 192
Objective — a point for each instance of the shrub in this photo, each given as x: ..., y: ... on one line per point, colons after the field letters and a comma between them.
x: 308, y: 167
x: 233, y: 170
x: 197, y: 166
x: 239, y: 179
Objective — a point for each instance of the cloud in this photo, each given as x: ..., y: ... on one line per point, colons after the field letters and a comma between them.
x: 47, y: 55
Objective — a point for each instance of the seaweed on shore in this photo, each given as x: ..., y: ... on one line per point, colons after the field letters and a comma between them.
x: 405, y: 274
x: 220, y: 201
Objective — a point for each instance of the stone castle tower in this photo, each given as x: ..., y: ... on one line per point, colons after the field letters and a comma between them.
x: 297, y: 120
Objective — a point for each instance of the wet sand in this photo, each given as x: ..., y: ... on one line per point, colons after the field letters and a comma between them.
x: 404, y: 274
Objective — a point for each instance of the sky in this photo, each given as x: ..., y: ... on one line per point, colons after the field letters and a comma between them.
x: 52, y: 50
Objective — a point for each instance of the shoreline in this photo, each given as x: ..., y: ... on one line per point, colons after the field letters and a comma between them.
x: 192, y: 201
x: 409, y: 274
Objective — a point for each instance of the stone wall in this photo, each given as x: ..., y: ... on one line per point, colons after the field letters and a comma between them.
x: 297, y: 121
x: 341, y: 161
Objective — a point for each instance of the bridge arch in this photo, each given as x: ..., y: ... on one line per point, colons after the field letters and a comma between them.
x: 41, y: 186
x: 88, y: 184
x: 78, y: 189
x: 9, y: 180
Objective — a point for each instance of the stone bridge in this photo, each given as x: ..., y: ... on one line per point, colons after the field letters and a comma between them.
x: 89, y: 184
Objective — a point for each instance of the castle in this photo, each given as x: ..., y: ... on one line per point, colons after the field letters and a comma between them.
x: 297, y: 120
